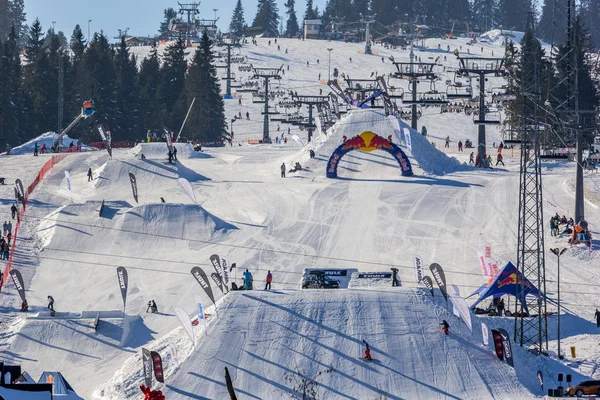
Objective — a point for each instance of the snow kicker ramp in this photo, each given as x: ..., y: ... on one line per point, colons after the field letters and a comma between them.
x: 158, y: 151
x: 265, y: 337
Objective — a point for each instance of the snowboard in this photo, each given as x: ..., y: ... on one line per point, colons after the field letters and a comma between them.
x: 367, y: 360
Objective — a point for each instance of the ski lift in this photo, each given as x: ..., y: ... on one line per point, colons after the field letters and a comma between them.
x: 490, y: 118
x: 501, y: 94
x: 458, y: 92
x: 427, y: 98
x: 88, y: 108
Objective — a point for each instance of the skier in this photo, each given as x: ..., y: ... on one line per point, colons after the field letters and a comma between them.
x: 445, y: 327
x: 175, y: 153
x: 269, y: 280
x: 500, y: 307
x: 395, y: 277
x: 35, y: 149
x: 152, y: 307
x: 460, y: 145
x: 499, y: 159
x: 24, y: 306
x: 597, y: 315
x: 13, y: 210
x: 367, y: 351
x: 283, y: 170
x: 247, y: 280
x: 90, y: 175
x: 51, y: 305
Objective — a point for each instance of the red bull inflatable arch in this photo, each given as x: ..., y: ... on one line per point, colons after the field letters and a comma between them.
x: 368, y: 142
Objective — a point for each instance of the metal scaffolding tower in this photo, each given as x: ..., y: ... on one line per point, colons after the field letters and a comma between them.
x: 228, y: 77
x: 479, y: 67
x: 266, y: 74
x: 531, y: 324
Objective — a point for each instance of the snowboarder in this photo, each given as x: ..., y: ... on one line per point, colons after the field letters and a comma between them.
x: 90, y: 175
x: 174, y: 153
x: 395, y: 277
x: 51, y: 304
x: 247, y: 280
x: 500, y: 307
x: 35, y: 149
x: 367, y: 351
x: 283, y: 170
x: 13, y: 210
x: 597, y: 315
x: 445, y: 327
x: 152, y: 307
x: 269, y: 280
x: 24, y: 306
x: 312, y: 153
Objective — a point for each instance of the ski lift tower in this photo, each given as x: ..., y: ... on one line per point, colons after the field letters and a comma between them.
x: 266, y: 74
x: 191, y: 10
x: 310, y: 101
x: 229, y: 77
x: 480, y: 67
x: 367, y: 20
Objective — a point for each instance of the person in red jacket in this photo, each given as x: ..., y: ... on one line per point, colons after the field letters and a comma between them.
x: 367, y: 351
x: 269, y: 280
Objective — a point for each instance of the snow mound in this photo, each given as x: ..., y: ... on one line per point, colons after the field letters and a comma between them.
x: 159, y: 150
x: 498, y: 36
x: 429, y: 158
x: 47, y: 139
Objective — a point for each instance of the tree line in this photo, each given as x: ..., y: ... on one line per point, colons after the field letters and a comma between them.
x: 132, y: 95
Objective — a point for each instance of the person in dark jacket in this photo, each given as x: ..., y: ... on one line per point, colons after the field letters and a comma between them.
x: 13, y: 210
x: 51, y: 303
x: 170, y: 155
x: 152, y: 307
x: 367, y: 351
x: 90, y: 175
x: 282, y: 171
x: 175, y: 153
x: 395, y: 281
x: 445, y: 327
x: 500, y: 307
x: 597, y: 315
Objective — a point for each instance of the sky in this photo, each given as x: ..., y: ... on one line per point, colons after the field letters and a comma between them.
x: 142, y: 17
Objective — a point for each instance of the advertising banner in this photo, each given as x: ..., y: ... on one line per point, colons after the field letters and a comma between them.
x: 123, y: 283
x: 133, y: 186
x: 18, y: 281
x: 419, y: 274
x: 186, y: 322
x: 440, y: 278
x: 147, y: 366
x: 202, y: 279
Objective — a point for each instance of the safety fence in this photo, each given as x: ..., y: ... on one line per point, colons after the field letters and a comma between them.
x: 47, y: 167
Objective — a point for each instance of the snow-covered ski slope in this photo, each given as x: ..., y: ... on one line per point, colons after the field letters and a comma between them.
x: 371, y: 219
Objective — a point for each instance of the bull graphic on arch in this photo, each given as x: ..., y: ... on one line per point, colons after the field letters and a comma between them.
x: 368, y: 142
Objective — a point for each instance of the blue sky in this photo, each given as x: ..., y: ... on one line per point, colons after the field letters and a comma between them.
x: 142, y: 17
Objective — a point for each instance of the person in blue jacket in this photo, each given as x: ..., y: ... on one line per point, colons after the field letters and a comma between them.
x: 247, y: 280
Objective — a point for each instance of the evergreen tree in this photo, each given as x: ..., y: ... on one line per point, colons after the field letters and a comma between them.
x: 484, y: 15
x: 77, y: 44
x: 310, y: 10
x: 267, y: 17
x: 237, y: 24
x: 169, y: 14
x: 11, y: 94
x: 547, y: 29
x: 593, y: 22
x: 387, y: 12
x: 18, y: 19
x: 149, y: 83
x: 172, y: 83
x: 207, y: 119
x: 126, y: 112
x: 336, y: 8
x: 291, y: 27
x: 513, y: 13
x: 35, y: 41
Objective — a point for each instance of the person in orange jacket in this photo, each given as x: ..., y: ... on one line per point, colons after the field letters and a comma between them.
x: 269, y: 280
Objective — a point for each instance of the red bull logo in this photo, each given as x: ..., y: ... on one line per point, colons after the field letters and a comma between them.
x: 367, y: 142
x: 509, y: 280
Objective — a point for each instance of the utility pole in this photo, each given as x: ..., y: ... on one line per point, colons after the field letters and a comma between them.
x: 329, y: 74
x: 367, y: 20
x: 558, y: 252
x: 481, y: 67
x: 89, y: 39
x: 266, y: 74
x: 61, y: 99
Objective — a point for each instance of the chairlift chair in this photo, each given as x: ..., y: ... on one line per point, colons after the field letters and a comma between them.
x: 458, y: 92
x: 491, y: 118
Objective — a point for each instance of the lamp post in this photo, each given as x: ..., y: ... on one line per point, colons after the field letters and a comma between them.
x: 215, y: 10
x: 329, y: 50
x: 89, y: 23
x: 53, y: 22
x: 558, y: 252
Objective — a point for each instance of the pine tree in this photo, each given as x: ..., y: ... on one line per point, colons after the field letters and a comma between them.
x: 77, y: 44
x: 172, y: 83
x: 126, y: 94
x: 547, y: 29
x: 4, y: 20
x: 169, y: 14
x: 594, y: 22
x: 387, y: 12
x: 267, y: 17
x: 513, y: 13
x: 309, y: 13
x: 149, y: 83
x: 18, y: 18
x: 484, y: 15
x: 11, y: 120
x: 336, y: 8
x: 237, y: 24
x: 207, y: 119
x: 35, y: 41
x: 291, y: 27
